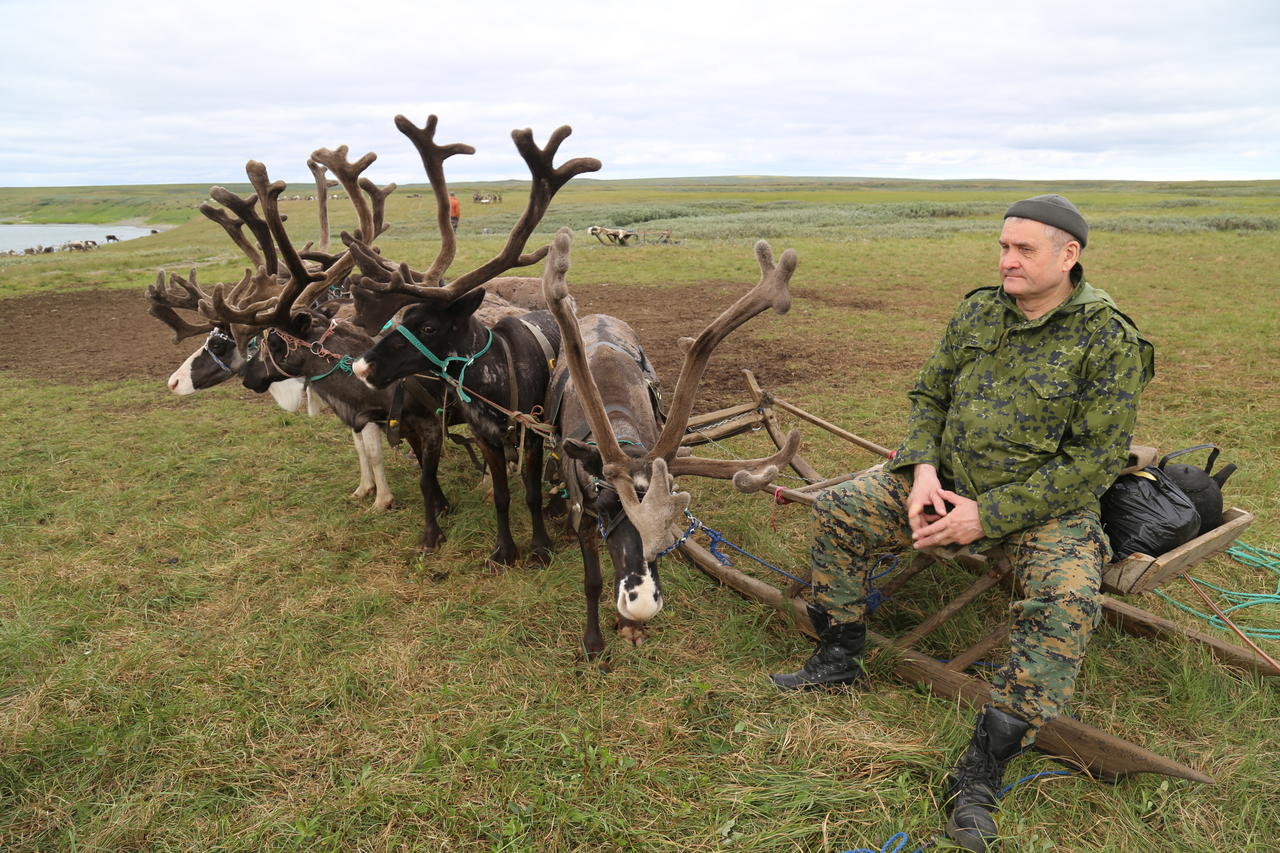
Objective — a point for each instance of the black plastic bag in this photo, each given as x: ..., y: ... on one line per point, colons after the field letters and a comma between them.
x: 1146, y: 512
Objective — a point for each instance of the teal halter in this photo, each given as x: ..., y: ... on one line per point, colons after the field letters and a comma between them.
x: 443, y: 364
x: 343, y: 364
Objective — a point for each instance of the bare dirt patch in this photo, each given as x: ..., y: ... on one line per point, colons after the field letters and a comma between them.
x: 83, y: 337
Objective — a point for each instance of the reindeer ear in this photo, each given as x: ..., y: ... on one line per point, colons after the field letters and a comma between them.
x: 467, y: 305
x: 300, y: 323
x: 587, y: 454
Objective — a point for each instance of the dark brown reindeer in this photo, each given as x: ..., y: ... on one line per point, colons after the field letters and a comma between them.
x: 623, y: 477
x: 501, y: 373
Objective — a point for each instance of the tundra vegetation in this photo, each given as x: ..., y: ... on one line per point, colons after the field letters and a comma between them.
x: 206, y: 646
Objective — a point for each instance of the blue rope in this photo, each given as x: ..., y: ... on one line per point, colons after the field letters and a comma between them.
x: 874, y: 596
x: 717, y: 540
x: 901, y: 837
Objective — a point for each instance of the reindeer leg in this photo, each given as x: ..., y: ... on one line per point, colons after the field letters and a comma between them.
x: 531, y: 475
x: 372, y: 436
x: 366, y: 476
x: 506, y: 552
x: 434, y: 504
x: 589, y: 541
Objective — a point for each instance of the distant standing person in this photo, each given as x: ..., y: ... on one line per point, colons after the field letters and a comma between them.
x: 455, y: 211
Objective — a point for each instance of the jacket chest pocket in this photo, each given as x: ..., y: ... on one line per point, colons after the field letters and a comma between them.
x: 1044, y: 400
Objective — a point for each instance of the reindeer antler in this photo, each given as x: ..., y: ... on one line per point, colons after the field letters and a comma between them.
x: 323, y: 184
x: 348, y: 174
x: 259, y: 299
x: 547, y: 180
x: 244, y: 209
x: 178, y: 293
x: 654, y: 516
x: 433, y: 157
x: 771, y: 292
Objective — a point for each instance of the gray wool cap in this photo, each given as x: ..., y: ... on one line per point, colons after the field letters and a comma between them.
x: 1052, y: 209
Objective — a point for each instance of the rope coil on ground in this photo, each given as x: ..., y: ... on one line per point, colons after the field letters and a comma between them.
x: 1259, y: 558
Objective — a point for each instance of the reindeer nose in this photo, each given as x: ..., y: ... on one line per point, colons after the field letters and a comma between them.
x: 642, y: 603
x: 361, y: 368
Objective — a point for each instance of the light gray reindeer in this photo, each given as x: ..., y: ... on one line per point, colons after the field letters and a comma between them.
x: 621, y: 482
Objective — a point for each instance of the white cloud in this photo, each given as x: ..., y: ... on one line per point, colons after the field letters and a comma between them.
x: 147, y: 91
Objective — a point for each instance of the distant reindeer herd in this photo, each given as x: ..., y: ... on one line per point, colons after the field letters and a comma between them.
x: 69, y: 246
x: 398, y: 353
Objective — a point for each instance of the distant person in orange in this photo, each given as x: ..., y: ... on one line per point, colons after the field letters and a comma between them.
x: 455, y: 211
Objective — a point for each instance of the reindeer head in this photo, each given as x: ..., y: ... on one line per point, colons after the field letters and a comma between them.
x: 422, y: 337
x: 644, y: 484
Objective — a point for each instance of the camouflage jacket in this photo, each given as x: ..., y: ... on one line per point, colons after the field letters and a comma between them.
x: 1032, y: 419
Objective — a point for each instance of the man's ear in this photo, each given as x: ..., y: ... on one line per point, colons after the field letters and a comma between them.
x: 1070, y: 255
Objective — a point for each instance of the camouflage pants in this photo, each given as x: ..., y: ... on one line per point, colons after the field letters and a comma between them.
x: 1057, y: 565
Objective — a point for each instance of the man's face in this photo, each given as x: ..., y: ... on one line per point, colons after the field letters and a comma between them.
x: 1030, y: 265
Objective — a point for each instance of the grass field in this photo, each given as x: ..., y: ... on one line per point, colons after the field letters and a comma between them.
x: 205, y: 646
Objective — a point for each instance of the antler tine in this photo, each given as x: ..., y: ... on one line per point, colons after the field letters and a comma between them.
x: 375, y: 269
x: 771, y: 291
x: 165, y: 299
x: 234, y: 228
x: 318, y: 171
x: 248, y: 302
x: 299, y: 276
x: 332, y: 275
x: 748, y: 475
x: 244, y: 208
x: 547, y: 180
x: 349, y: 174
x: 433, y: 157
x: 378, y: 197
x: 556, y: 292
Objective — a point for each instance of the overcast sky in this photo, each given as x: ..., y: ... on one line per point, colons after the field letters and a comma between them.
x: 138, y: 91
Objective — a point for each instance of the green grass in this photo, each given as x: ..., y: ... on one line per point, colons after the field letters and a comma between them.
x: 205, y: 646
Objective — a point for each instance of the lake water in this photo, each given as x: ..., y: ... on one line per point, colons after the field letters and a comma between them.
x: 19, y: 237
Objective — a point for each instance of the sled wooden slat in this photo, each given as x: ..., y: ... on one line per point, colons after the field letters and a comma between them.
x: 1139, y: 622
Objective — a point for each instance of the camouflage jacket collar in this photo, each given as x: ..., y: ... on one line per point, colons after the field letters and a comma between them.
x: 1084, y: 297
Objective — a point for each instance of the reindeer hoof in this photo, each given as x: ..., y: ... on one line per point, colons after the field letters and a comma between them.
x: 500, y: 561
x: 429, y: 545
x: 539, y: 556
x: 632, y: 633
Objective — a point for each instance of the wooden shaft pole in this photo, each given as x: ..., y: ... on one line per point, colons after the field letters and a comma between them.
x: 832, y: 428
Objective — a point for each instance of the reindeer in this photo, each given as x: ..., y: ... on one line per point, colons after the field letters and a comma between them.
x: 612, y: 236
x: 220, y: 357
x: 501, y: 373
x: 623, y: 478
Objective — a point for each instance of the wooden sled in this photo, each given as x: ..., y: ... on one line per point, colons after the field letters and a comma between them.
x: 1096, y: 752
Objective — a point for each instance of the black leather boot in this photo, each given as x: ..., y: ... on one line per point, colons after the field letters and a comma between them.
x: 974, y: 785
x: 836, y: 661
